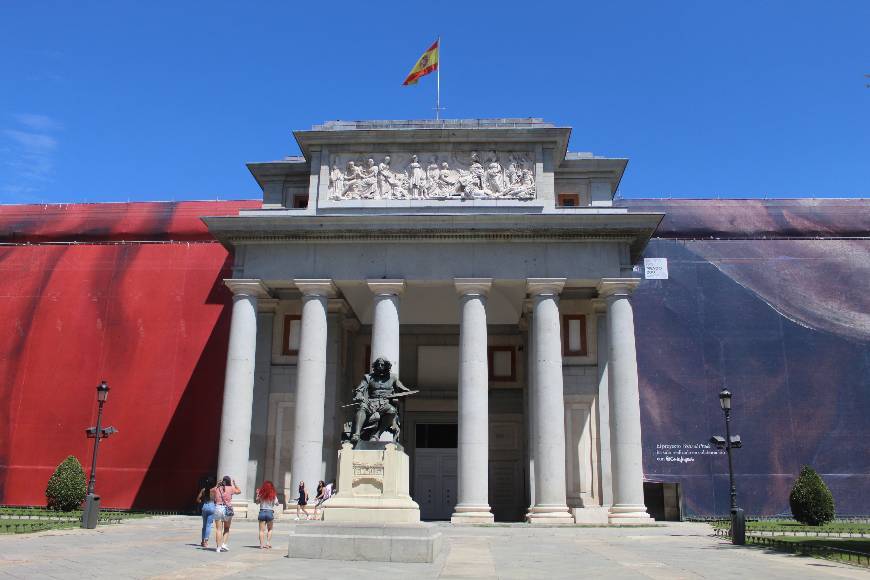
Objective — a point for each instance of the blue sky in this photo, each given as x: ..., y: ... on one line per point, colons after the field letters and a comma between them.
x: 110, y: 101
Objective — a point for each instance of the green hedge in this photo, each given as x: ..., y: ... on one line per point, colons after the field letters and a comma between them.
x: 66, y: 488
x: 810, y: 499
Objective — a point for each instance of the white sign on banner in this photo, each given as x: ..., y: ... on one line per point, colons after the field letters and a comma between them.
x: 655, y: 268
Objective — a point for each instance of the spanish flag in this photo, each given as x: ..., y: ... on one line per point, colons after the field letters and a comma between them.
x: 428, y: 63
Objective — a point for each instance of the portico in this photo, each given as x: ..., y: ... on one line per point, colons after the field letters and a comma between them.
x: 508, y: 310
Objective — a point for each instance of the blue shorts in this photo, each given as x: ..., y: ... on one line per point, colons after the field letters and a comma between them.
x: 266, y: 516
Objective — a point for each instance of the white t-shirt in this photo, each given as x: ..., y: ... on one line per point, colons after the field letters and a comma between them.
x: 268, y: 506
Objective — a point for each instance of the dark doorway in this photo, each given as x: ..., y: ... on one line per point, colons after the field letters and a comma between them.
x: 435, y: 469
x: 664, y: 501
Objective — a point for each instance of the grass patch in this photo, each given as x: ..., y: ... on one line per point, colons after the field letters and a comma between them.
x: 22, y: 520
x: 791, y: 526
x: 27, y: 526
x: 852, y: 544
x: 848, y: 550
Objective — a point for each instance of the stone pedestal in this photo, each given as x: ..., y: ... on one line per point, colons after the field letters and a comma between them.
x: 373, y: 487
x: 365, y: 542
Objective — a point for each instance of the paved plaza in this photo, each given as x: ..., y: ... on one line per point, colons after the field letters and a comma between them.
x: 168, y: 547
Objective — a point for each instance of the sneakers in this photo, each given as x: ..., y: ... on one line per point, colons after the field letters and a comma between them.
x: 218, y: 550
x: 224, y: 548
x: 296, y: 518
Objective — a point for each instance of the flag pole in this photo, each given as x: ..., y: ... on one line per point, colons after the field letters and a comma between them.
x: 438, y: 83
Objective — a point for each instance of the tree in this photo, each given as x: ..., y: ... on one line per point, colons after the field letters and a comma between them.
x: 66, y: 488
x: 811, y: 501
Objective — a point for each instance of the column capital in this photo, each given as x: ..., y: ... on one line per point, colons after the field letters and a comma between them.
x: 247, y: 287
x: 391, y: 286
x: 599, y: 305
x: 617, y: 286
x: 316, y: 287
x: 539, y: 286
x: 472, y: 285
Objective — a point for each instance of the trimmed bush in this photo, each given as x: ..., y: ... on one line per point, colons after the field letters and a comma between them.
x: 66, y: 488
x: 811, y: 501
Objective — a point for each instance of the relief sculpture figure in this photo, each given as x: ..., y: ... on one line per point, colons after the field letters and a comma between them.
x: 369, y: 181
x: 336, y: 182
x: 447, y: 181
x: 416, y: 179
x: 389, y: 186
x: 432, y: 172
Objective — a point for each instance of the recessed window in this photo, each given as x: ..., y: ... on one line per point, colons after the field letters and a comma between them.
x: 502, y: 363
x: 292, y: 330
x: 574, y: 335
x: 437, y: 436
x: 300, y: 201
x: 568, y: 200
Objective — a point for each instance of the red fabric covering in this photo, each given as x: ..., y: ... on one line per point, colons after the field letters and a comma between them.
x: 111, y: 222
x: 149, y: 318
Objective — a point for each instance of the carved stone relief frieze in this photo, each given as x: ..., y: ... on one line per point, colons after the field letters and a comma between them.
x: 433, y: 176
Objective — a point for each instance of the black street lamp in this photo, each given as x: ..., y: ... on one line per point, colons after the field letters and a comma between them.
x: 729, y: 442
x: 91, y: 513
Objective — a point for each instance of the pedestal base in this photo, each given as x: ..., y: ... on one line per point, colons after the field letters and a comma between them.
x: 372, y: 543
x: 629, y: 515
x: 595, y: 515
x: 373, y: 487
x: 371, y: 511
x: 240, y: 509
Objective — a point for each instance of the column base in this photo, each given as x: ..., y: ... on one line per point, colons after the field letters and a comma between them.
x: 549, y: 515
x: 629, y: 515
x: 472, y: 514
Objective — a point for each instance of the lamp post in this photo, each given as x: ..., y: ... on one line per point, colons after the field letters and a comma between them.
x: 729, y: 442
x: 91, y: 513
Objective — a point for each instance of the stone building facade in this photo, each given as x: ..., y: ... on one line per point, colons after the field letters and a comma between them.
x: 491, y: 266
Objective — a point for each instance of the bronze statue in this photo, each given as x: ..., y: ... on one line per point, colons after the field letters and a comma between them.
x: 375, y: 396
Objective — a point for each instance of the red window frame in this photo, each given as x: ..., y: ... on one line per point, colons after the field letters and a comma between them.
x: 491, y: 359
x: 285, y: 348
x: 566, y: 351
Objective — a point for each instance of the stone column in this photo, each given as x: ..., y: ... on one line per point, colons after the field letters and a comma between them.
x: 306, y: 464
x: 235, y: 434
x: 549, y: 405
x: 385, y: 320
x: 625, y: 438
x: 473, y: 452
x: 605, y: 472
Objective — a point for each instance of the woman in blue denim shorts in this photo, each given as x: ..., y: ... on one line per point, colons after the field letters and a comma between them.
x: 268, y: 499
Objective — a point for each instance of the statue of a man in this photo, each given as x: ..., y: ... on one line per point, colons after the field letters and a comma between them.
x: 375, y: 395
